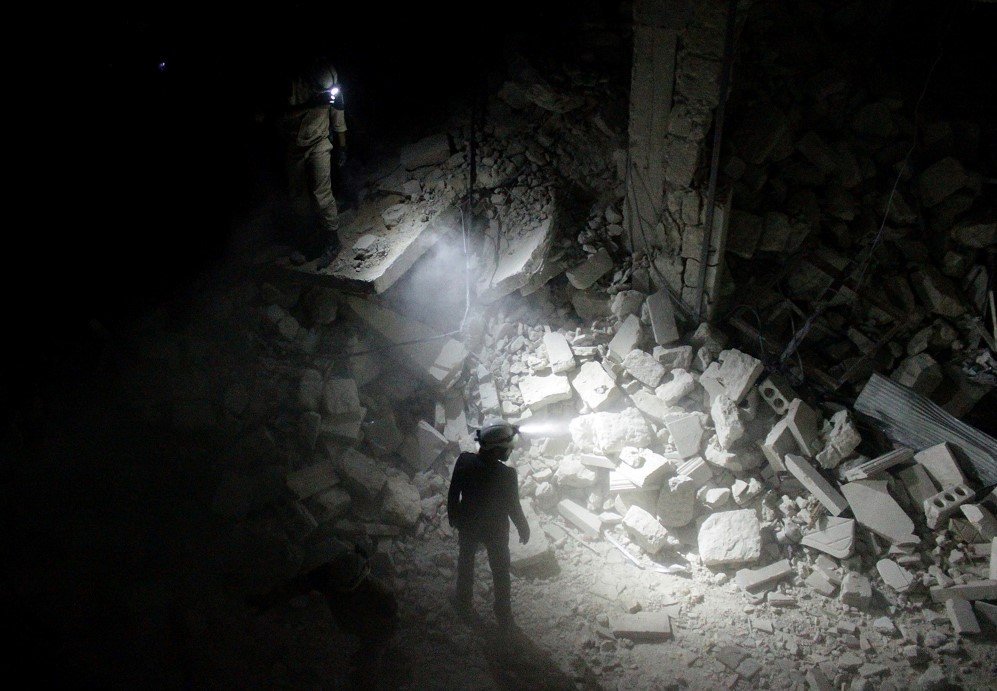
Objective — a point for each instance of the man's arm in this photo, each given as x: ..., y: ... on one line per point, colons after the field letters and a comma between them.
x: 516, y: 509
x: 453, y: 495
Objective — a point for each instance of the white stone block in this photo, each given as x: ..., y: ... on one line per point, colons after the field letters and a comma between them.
x: 595, y: 266
x: 739, y: 372
x: 644, y: 368
x: 815, y: 483
x: 941, y: 464
x: 645, y: 530
x: 659, y: 306
x: 874, y: 508
x: 594, y: 385
x: 687, y: 435
x: 539, y: 392
x: 677, y: 502
x: 678, y: 387
x: 608, y: 433
x: 581, y: 518
x: 727, y: 421
x: 730, y: 537
x: 842, y: 441
x: 834, y: 536
x: 626, y: 338
x: 571, y: 472
x: 559, y: 352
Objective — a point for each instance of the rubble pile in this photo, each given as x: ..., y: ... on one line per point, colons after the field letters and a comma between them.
x: 811, y: 160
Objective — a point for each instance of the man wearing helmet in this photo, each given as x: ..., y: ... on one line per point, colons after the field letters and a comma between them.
x: 483, y: 496
x: 314, y: 106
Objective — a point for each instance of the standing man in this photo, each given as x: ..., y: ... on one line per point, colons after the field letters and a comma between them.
x: 314, y: 107
x: 483, y: 496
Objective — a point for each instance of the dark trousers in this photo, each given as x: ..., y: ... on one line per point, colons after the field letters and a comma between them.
x: 498, y: 560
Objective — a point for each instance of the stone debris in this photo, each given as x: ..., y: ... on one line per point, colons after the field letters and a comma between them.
x: 842, y: 440
x: 678, y: 387
x: 585, y: 275
x: 878, y: 465
x: 941, y: 464
x: 581, y: 518
x: 312, y: 480
x: 834, y: 536
x: 738, y: 373
x: 982, y: 520
x: 974, y: 590
x: 535, y: 554
x: 947, y: 502
x: 645, y: 530
x: 802, y: 422
x: 609, y: 433
x: 361, y: 474
x: 677, y: 501
x: 662, y: 316
x: 894, y: 575
x: 874, y: 508
x: 730, y: 537
x: 594, y: 385
x: 687, y: 434
x: 644, y: 368
x: 856, y: 590
x: 961, y: 615
x: 821, y: 583
x: 559, y: 353
x: 626, y: 338
x: 727, y: 421
x: 642, y: 626
x: 755, y: 580
x: 540, y: 392
x: 811, y: 478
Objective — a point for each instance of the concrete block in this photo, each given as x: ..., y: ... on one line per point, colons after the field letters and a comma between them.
x: 643, y: 367
x: 918, y: 483
x: 651, y: 474
x: 360, y: 474
x: 559, y: 353
x: 679, y: 357
x: 819, y: 582
x: 802, y: 421
x: 815, y: 483
x: 312, y: 480
x: 755, y: 580
x: 659, y: 306
x: 744, y: 459
x: 687, y: 435
x: 540, y: 392
x: 856, y: 590
x: 535, y: 554
x: 842, y: 441
x: 711, y: 383
x: 834, y: 536
x: 609, y: 433
x: 919, y: 372
x: 430, y: 445
x: 779, y: 442
x: 581, y: 518
x: 739, y: 372
x: 595, y: 266
x: 401, y: 505
x: 590, y: 304
x: 596, y: 461
x: 945, y: 503
x: 974, y: 590
x: 594, y: 385
x: 961, y: 615
x: 488, y: 397
x: 650, y: 404
x: 730, y: 537
x: 982, y: 520
x: 941, y: 464
x: 645, y: 530
x: 677, y: 502
x: 727, y: 421
x: 571, y: 472
x: 626, y: 338
x: 880, y: 464
x: 894, y: 575
x: 777, y: 392
x: 680, y: 385
x: 874, y: 508
x: 642, y: 626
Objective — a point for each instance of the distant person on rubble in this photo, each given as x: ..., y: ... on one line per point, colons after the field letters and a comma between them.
x: 315, y: 109
x: 483, y: 496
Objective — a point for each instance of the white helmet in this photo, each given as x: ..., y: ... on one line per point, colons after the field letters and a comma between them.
x: 496, y: 434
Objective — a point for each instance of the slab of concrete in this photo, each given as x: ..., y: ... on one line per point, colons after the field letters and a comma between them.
x: 645, y: 530
x: 580, y: 517
x: 559, y: 352
x: 594, y: 385
x: 779, y: 442
x: 360, y: 474
x: 974, y: 590
x: 651, y: 474
x: 811, y: 478
x: 961, y: 615
x: 642, y: 626
x: 584, y: 275
x: 856, y: 590
x: 894, y: 575
x: 756, y: 580
x: 982, y: 520
x: 821, y: 583
x: 942, y: 465
x: 523, y: 244
x: 312, y: 479
x: 436, y: 360
x: 535, y: 554
x: 428, y: 151
x: 802, y: 421
x: 878, y: 511
x: 834, y: 536
x: 643, y: 367
x: 739, y: 372
x: 659, y: 306
x: 687, y: 435
x: 626, y: 338
x: 540, y: 392
x: 918, y: 483
x: 730, y: 537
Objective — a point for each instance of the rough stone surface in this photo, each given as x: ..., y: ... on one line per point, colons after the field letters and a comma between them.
x: 687, y: 434
x: 594, y: 385
x: 559, y: 353
x: 727, y: 421
x: 644, y: 368
x: 842, y: 441
x: 361, y: 475
x: 401, y: 502
x: 856, y: 590
x: 678, y: 387
x: 626, y: 338
x: 571, y: 472
x: 645, y: 530
x: 608, y: 433
x: 810, y: 478
x: 834, y: 536
x: 730, y: 537
x: 677, y: 502
x: 877, y: 510
x: 584, y: 275
x: 539, y: 392
x: 738, y: 373
x: 920, y: 372
x: 659, y: 306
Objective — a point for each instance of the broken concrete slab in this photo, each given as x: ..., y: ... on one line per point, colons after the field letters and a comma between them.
x: 571, y: 472
x: 779, y: 442
x: 310, y: 389
x: 626, y: 338
x: 340, y: 397
x: 982, y: 520
x: 597, y: 461
x: 821, y: 583
x: 429, y: 445
x: 312, y: 479
x: 945, y: 503
x: 329, y: 505
x: 739, y: 372
x: 815, y: 483
x: 961, y: 615
x: 802, y: 421
x: 401, y: 505
x: 756, y: 580
x: 649, y: 404
x: 834, y: 536
x: 941, y: 463
x: 727, y: 421
x: 744, y: 459
x: 488, y: 397
x: 987, y: 611
x: 679, y: 357
x: 435, y: 360
x: 878, y: 511
x: 894, y: 575
x: 590, y: 304
x: 687, y: 434
x: 856, y: 590
x: 517, y: 252
x: 360, y: 474
x: 919, y: 372
x: 937, y: 292
x: 730, y: 537
x: 677, y: 502
x: 645, y: 530
x: 650, y: 474
x: 559, y: 353
x: 842, y: 441
x: 681, y: 384
x: 608, y: 433
x: 595, y: 266
x: 918, y: 483
x: 594, y: 385
x: 540, y: 392
x: 643, y: 367
x: 880, y: 464
x: 697, y: 469
x: 580, y: 517
x: 642, y: 626
x: 659, y: 307
x: 974, y: 590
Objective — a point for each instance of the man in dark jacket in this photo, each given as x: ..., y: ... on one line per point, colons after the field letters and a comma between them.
x: 483, y: 496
